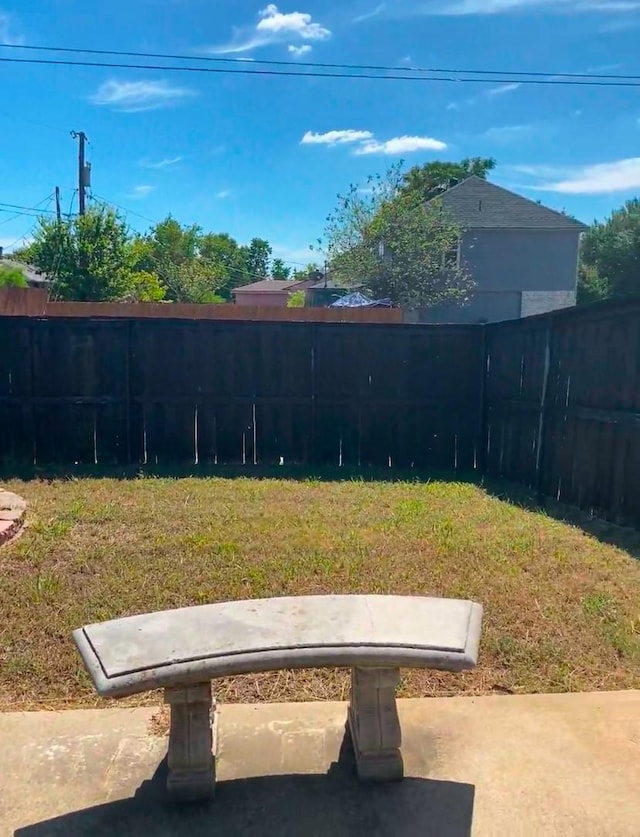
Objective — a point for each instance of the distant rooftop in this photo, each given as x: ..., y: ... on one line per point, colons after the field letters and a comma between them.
x: 270, y: 286
x: 476, y: 203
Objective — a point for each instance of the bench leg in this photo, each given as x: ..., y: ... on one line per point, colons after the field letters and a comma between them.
x: 374, y: 724
x: 192, y: 741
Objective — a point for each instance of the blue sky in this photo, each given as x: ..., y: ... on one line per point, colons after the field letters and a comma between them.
x: 265, y: 156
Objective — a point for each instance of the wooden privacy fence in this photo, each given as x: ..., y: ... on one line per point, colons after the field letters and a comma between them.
x: 256, y: 393
x: 562, y: 407
x: 34, y: 302
x: 552, y: 401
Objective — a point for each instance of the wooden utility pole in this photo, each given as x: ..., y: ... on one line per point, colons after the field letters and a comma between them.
x: 82, y: 175
x: 58, y: 213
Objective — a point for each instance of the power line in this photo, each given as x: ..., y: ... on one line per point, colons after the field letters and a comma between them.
x: 506, y: 79
x: 123, y: 208
x: 31, y: 212
x: 31, y: 228
x: 321, y: 65
x: 29, y: 208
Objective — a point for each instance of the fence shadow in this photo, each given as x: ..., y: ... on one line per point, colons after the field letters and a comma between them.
x: 622, y: 537
x: 330, y: 805
x: 300, y: 473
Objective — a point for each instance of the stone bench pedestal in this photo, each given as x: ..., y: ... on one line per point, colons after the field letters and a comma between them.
x: 192, y: 742
x: 374, y: 724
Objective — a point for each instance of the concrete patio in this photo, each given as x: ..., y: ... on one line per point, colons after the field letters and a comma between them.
x: 525, y: 765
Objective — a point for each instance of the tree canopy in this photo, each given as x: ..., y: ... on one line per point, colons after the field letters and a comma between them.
x: 97, y: 258
x: 610, y: 256
x: 91, y: 258
x: 386, y: 239
x: 12, y: 277
x: 431, y: 179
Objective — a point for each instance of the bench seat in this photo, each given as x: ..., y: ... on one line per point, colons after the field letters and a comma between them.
x: 182, y: 650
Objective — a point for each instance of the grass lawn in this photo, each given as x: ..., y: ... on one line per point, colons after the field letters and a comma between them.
x: 562, y: 609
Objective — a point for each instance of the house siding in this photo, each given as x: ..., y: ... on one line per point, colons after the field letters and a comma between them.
x: 521, y: 260
x: 275, y: 299
x: 516, y: 273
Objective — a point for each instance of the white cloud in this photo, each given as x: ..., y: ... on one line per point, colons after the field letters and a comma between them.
x: 7, y: 37
x: 139, y: 96
x: 456, y: 8
x: 491, y: 93
x: 298, y: 51
x: 223, y: 193
x: 621, y: 24
x: 406, y: 59
x: 165, y: 163
x: 598, y: 179
x: 298, y: 23
x: 373, y: 13
x: 274, y: 26
x: 366, y: 143
x: 506, y: 134
x: 502, y: 89
x: 140, y: 192
x: 335, y: 137
x: 400, y: 145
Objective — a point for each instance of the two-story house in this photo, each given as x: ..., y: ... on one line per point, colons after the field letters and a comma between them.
x: 522, y: 256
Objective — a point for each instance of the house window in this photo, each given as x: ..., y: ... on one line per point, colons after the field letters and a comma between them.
x: 451, y: 257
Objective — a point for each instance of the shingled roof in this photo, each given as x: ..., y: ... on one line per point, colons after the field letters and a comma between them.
x: 477, y: 204
x: 271, y: 286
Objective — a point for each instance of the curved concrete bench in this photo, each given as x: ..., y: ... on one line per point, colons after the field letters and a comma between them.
x: 183, y: 650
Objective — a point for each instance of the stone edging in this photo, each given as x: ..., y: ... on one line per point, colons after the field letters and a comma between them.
x: 12, y: 514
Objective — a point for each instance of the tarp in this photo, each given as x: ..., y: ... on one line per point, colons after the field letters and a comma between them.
x: 358, y: 300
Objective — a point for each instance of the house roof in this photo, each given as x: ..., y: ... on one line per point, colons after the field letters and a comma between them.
x: 477, y: 204
x: 271, y: 286
x: 329, y: 285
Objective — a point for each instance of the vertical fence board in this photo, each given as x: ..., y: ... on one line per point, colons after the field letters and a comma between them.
x: 591, y: 452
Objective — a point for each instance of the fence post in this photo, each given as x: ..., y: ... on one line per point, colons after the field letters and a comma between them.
x: 128, y: 392
x: 483, y: 407
x: 312, y: 360
x: 544, y: 412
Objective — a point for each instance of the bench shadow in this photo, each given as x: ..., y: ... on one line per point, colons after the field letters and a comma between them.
x: 329, y: 805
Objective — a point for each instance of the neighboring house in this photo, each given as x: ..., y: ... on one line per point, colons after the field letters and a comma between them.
x: 523, y: 257
x: 323, y: 293
x: 269, y: 292
x: 34, y: 279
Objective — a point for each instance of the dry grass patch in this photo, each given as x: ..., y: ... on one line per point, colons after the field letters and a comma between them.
x: 561, y: 608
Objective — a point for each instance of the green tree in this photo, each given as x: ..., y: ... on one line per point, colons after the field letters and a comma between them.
x: 195, y: 281
x: 89, y: 258
x: 296, y: 299
x: 279, y: 270
x: 224, y: 251
x: 610, y: 256
x: 591, y: 286
x: 258, y: 258
x: 12, y: 277
x: 172, y: 243
x: 393, y: 244
x: 311, y: 268
x: 436, y: 177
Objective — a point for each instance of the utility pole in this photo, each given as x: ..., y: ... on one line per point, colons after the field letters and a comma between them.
x: 83, y: 176
x: 58, y: 214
